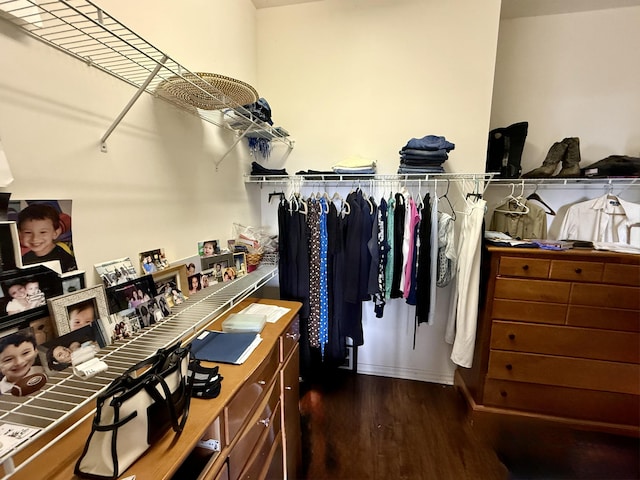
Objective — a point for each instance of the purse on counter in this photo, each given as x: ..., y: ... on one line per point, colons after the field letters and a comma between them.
x: 136, y: 410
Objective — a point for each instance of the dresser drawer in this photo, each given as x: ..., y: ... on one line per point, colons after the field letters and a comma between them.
x: 266, y: 464
x: 523, y: 267
x: 592, y: 405
x: 622, y: 274
x: 252, y: 391
x: 537, y: 312
x: 532, y: 290
x: 565, y: 371
x: 566, y: 341
x: 576, y: 271
x: 289, y: 339
x: 265, y: 423
x: 605, y: 296
x: 607, y: 318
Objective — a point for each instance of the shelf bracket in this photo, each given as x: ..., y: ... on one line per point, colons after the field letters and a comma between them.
x: 141, y: 89
x: 240, y: 137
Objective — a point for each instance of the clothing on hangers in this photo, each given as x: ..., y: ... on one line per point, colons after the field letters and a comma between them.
x: 509, y: 218
x: 604, y: 219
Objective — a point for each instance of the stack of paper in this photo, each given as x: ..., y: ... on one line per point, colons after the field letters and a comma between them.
x: 272, y: 312
x: 224, y: 347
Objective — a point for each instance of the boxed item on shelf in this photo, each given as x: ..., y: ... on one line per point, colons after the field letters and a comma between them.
x: 244, y: 322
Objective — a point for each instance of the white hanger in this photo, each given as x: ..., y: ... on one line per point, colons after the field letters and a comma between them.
x: 519, y: 201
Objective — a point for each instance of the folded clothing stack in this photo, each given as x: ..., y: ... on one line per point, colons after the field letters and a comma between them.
x: 355, y: 165
x: 425, y: 155
x: 257, y: 169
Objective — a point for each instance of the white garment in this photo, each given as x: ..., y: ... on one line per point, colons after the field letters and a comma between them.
x: 410, y: 206
x: 463, y: 311
x: 447, y: 254
x: 604, y: 219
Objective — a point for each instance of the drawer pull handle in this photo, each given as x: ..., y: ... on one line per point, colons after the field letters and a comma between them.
x: 508, y: 366
x: 293, y: 336
x: 512, y: 336
x: 578, y: 270
x: 265, y: 422
x: 503, y: 393
x: 288, y: 388
x: 261, y: 382
x: 525, y: 267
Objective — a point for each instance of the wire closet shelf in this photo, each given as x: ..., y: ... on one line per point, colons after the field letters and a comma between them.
x: 83, y: 30
x: 65, y: 396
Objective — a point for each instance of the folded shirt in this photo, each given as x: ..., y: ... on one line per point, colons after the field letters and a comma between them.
x: 412, y: 152
x: 356, y: 162
x: 412, y: 170
x: 422, y: 162
x: 348, y: 171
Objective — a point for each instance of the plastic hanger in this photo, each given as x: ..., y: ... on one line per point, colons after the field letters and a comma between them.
x: 534, y: 196
x: 519, y: 201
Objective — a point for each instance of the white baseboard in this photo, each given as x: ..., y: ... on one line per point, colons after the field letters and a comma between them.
x: 406, y: 373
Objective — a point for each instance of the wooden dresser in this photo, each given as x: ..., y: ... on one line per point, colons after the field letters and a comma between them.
x: 558, y: 339
x: 255, y: 419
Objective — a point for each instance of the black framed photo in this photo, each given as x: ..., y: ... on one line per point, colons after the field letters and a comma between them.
x: 24, y: 294
x: 131, y: 294
x: 75, y: 310
x: 72, y: 281
x: 10, y: 257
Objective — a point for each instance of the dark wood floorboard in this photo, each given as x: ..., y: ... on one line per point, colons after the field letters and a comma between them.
x: 367, y: 427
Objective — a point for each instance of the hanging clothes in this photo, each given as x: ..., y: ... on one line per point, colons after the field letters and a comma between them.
x: 313, y: 222
x: 388, y: 272
x: 398, y: 235
x: 433, y: 259
x: 604, y: 219
x: 508, y: 217
x: 424, y: 263
x: 447, y: 255
x: 463, y: 311
x: 382, y: 247
x: 412, y: 219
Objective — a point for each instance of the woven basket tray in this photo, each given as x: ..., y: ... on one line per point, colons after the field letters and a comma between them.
x: 208, y: 91
x: 254, y: 258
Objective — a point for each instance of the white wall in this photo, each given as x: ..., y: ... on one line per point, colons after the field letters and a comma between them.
x: 361, y: 77
x: 157, y: 186
x: 571, y: 75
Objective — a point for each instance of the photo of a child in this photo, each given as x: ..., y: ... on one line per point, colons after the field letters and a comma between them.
x: 39, y: 229
x: 208, y: 248
x: 18, y: 359
x: 82, y: 314
x: 57, y: 354
x: 24, y: 296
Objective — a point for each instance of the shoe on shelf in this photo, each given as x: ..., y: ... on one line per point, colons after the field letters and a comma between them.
x: 555, y: 155
x: 571, y: 161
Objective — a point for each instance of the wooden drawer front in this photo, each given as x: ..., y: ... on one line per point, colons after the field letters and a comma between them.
x: 532, y: 290
x: 289, y: 339
x: 576, y: 271
x: 605, y: 296
x: 224, y: 473
x: 251, y: 392
x: 608, y: 318
x: 264, y: 422
x: 566, y: 341
x: 276, y: 470
x: 523, y: 267
x: 565, y: 371
x: 593, y: 405
x: 250, y: 464
x: 622, y: 274
x: 266, y: 463
x: 529, y: 311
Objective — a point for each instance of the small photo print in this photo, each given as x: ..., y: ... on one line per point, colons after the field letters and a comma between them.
x: 208, y: 278
x: 240, y: 264
x: 194, y: 283
x: 13, y: 435
x: 115, y: 272
x: 20, y: 367
x: 153, y: 261
x: 131, y: 294
x: 229, y: 274
x: 208, y: 248
x: 73, y: 282
x: 51, y: 221
x: 56, y: 354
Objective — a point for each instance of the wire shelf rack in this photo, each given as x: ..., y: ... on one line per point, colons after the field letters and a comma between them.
x: 64, y: 394
x: 83, y: 30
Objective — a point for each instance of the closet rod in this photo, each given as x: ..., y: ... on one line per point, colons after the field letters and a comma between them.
x: 342, y: 178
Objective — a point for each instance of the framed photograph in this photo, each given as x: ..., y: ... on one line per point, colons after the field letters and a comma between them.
x: 72, y: 281
x: 20, y: 367
x: 194, y: 283
x: 240, y: 264
x: 208, y: 278
x: 55, y: 355
x: 153, y: 261
x: 10, y: 257
x: 51, y: 216
x: 171, y: 278
x: 208, y: 248
x: 115, y: 272
x: 131, y: 294
x: 229, y: 274
x: 217, y: 262
x: 75, y: 310
x: 24, y: 294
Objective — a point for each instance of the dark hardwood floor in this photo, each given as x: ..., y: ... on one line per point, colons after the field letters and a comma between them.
x: 367, y: 427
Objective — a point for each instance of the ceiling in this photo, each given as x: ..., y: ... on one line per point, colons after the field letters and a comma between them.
x: 511, y: 8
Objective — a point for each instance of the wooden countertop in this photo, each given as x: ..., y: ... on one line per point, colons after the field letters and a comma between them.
x: 164, y: 457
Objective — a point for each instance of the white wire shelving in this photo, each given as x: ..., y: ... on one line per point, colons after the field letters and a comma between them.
x: 65, y: 395
x: 83, y: 30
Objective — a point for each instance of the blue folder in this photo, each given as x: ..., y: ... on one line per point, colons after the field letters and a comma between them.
x: 223, y: 347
